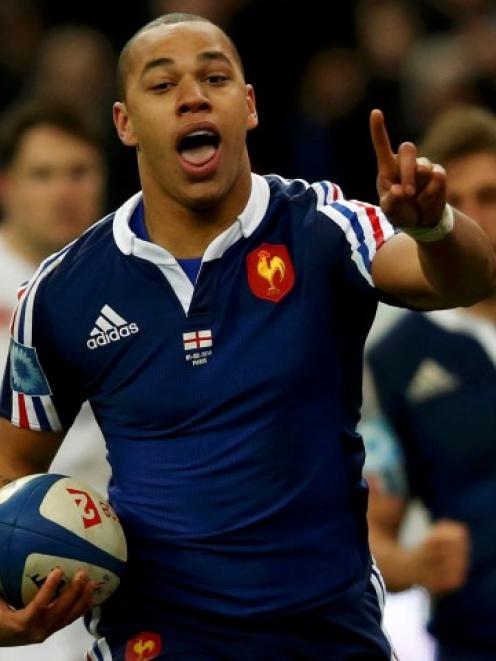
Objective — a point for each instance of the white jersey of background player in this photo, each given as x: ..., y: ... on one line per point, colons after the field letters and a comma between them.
x: 52, y: 184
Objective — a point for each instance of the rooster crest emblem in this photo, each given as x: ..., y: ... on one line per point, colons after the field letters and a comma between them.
x: 270, y: 272
x: 267, y: 269
x: 144, y: 647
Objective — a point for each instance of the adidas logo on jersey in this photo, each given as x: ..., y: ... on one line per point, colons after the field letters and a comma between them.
x: 431, y: 380
x: 109, y: 327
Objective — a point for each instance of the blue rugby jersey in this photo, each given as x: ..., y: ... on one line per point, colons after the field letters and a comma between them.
x: 229, y: 407
x: 439, y: 397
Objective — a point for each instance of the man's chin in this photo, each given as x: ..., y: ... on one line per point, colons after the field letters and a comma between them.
x: 204, y: 195
x: 204, y: 204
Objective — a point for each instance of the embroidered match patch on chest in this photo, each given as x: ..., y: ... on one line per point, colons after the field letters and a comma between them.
x: 198, y: 346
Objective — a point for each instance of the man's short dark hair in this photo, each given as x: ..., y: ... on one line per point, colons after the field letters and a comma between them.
x: 166, y: 19
x: 24, y: 116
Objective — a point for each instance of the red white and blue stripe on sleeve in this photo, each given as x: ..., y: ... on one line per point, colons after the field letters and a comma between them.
x: 32, y: 402
x: 365, y: 226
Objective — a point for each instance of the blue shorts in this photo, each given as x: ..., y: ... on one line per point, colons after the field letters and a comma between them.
x: 339, y: 634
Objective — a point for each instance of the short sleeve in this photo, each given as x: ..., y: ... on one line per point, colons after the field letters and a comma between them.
x: 364, y: 226
x: 34, y: 393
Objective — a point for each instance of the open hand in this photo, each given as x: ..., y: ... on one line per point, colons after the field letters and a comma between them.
x: 46, y: 613
x: 412, y: 190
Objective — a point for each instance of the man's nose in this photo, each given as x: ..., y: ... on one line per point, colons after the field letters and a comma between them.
x: 192, y: 98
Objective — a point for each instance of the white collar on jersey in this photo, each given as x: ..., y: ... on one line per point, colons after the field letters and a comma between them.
x: 244, y: 225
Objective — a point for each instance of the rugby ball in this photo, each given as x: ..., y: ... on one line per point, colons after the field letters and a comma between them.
x: 48, y: 521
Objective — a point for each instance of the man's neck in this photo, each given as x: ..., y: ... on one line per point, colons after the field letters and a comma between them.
x: 187, y: 232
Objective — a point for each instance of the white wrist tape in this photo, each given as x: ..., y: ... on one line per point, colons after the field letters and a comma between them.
x: 436, y: 233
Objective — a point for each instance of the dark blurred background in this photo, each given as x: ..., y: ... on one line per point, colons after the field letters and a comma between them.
x: 318, y: 68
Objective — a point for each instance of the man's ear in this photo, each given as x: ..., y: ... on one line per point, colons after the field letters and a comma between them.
x: 123, y: 124
x: 252, y: 108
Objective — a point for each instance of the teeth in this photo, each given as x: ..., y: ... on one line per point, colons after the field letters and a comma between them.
x: 201, y: 132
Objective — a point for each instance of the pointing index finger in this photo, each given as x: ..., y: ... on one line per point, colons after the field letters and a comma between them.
x: 386, y: 159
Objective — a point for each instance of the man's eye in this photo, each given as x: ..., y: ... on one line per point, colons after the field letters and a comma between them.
x: 216, y: 79
x: 161, y: 87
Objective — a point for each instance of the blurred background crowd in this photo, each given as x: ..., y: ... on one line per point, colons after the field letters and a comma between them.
x: 318, y: 68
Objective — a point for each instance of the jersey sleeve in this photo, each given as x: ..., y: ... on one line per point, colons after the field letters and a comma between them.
x: 364, y: 227
x: 34, y: 394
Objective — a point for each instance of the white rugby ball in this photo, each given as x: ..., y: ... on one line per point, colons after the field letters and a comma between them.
x: 48, y: 521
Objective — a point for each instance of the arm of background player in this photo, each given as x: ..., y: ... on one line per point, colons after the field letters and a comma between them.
x: 440, y: 560
x: 388, y: 492
x: 23, y: 452
x: 457, y: 270
x: 439, y: 563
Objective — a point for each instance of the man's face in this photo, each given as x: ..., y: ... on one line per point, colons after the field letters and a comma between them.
x: 53, y: 189
x: 187, y: 109
x: 471, y: 182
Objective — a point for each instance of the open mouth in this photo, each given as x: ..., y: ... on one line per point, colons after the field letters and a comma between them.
x: 199, y: 146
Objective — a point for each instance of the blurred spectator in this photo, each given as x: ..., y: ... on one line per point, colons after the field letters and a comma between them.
x: 437, y: 75
x: 394, y: 18
x: 276, y: 40
x: 330, y: 130
x: 92, y: 13
x: 220, y: 13
x: 478, y: 39
x: 52, y: 181
x: 445, y: 14
x: 20, y: 36
x: 452, y: 66
x: 338, y: 88
x: 435, y: 376
x: 384, y: 58
x: 76, y: 67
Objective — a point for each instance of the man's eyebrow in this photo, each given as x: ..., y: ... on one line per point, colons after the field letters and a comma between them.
x: 208, y: 56
x: 158, y: 62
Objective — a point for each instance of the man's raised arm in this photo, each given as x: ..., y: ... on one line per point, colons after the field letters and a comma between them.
x: 442, y: 258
